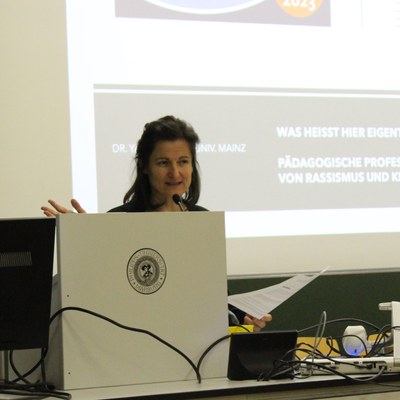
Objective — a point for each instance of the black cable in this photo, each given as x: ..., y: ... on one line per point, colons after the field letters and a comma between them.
x: 39, y: 389
x: 284, y: 367
x: 376, y: 346
x: 336, y: 361
x: 22, y: 377
x: 55, y: 315
x: 36, y: 390
x: 278, y: 366
x: 43, y: 368
x: 44, y: 394
x: 30, y: 371
x: 212, y: 345
x: 368, y: 378
x: 300, y: 347
x: 340, y: 320
x: 329, y: 343
x: 382, y: 336
x: 138, y: 330
x: 22, y: 389
x: 322, y: 356
x: 19, y: 377
x: 363, y: 344
x: 319, y: 366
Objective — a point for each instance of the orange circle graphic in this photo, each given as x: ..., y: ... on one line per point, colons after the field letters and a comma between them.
x: 300, y: 8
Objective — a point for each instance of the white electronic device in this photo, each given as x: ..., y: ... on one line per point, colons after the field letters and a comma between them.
x: 163, y: 272
x: 355, y: 340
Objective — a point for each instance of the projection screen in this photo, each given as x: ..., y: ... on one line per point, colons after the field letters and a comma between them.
x: 296, y: 103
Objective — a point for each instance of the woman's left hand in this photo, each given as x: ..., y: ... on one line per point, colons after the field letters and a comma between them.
x: 258, y: 324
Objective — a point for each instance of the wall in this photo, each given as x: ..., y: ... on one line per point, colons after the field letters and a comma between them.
x: 34, y: 124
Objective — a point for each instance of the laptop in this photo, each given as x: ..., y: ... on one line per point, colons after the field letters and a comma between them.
x: 26, y: 270
x: 363, y: 365
x: 164, y: 273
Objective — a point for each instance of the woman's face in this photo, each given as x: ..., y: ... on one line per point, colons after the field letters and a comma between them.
x: 169, y: 170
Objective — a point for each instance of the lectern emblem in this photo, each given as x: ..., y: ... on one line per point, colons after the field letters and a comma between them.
x: 146, y: 271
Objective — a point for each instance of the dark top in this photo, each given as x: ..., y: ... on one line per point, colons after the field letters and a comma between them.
x: 129, y: 207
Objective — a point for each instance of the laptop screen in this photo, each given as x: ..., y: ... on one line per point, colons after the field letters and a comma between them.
x: 26, y: 269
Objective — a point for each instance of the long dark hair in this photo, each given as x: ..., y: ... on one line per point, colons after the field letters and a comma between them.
x: 169, y: 129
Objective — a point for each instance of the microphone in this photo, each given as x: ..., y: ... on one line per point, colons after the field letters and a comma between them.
x: 177, y: 199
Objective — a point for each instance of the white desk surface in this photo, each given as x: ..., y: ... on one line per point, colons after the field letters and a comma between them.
x: 316, y: 387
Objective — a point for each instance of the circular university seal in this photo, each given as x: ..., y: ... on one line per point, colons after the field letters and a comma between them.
x: 146, y: 271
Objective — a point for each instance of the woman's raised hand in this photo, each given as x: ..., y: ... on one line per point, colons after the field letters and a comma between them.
x: 59, y: 209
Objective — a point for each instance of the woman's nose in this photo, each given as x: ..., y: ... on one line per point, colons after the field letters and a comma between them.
x: 174, y: 170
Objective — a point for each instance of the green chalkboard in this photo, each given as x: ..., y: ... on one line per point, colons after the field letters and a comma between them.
x: 341, y: 295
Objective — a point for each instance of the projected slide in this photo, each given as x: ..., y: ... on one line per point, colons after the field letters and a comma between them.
x: 266, y: 152
x: 305, y: 12
x: 295, y: 101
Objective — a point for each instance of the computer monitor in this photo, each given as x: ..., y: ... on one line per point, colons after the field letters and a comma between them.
x: 26, y: 269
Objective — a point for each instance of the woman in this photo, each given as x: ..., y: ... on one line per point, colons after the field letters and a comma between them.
x: 166, y: 166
